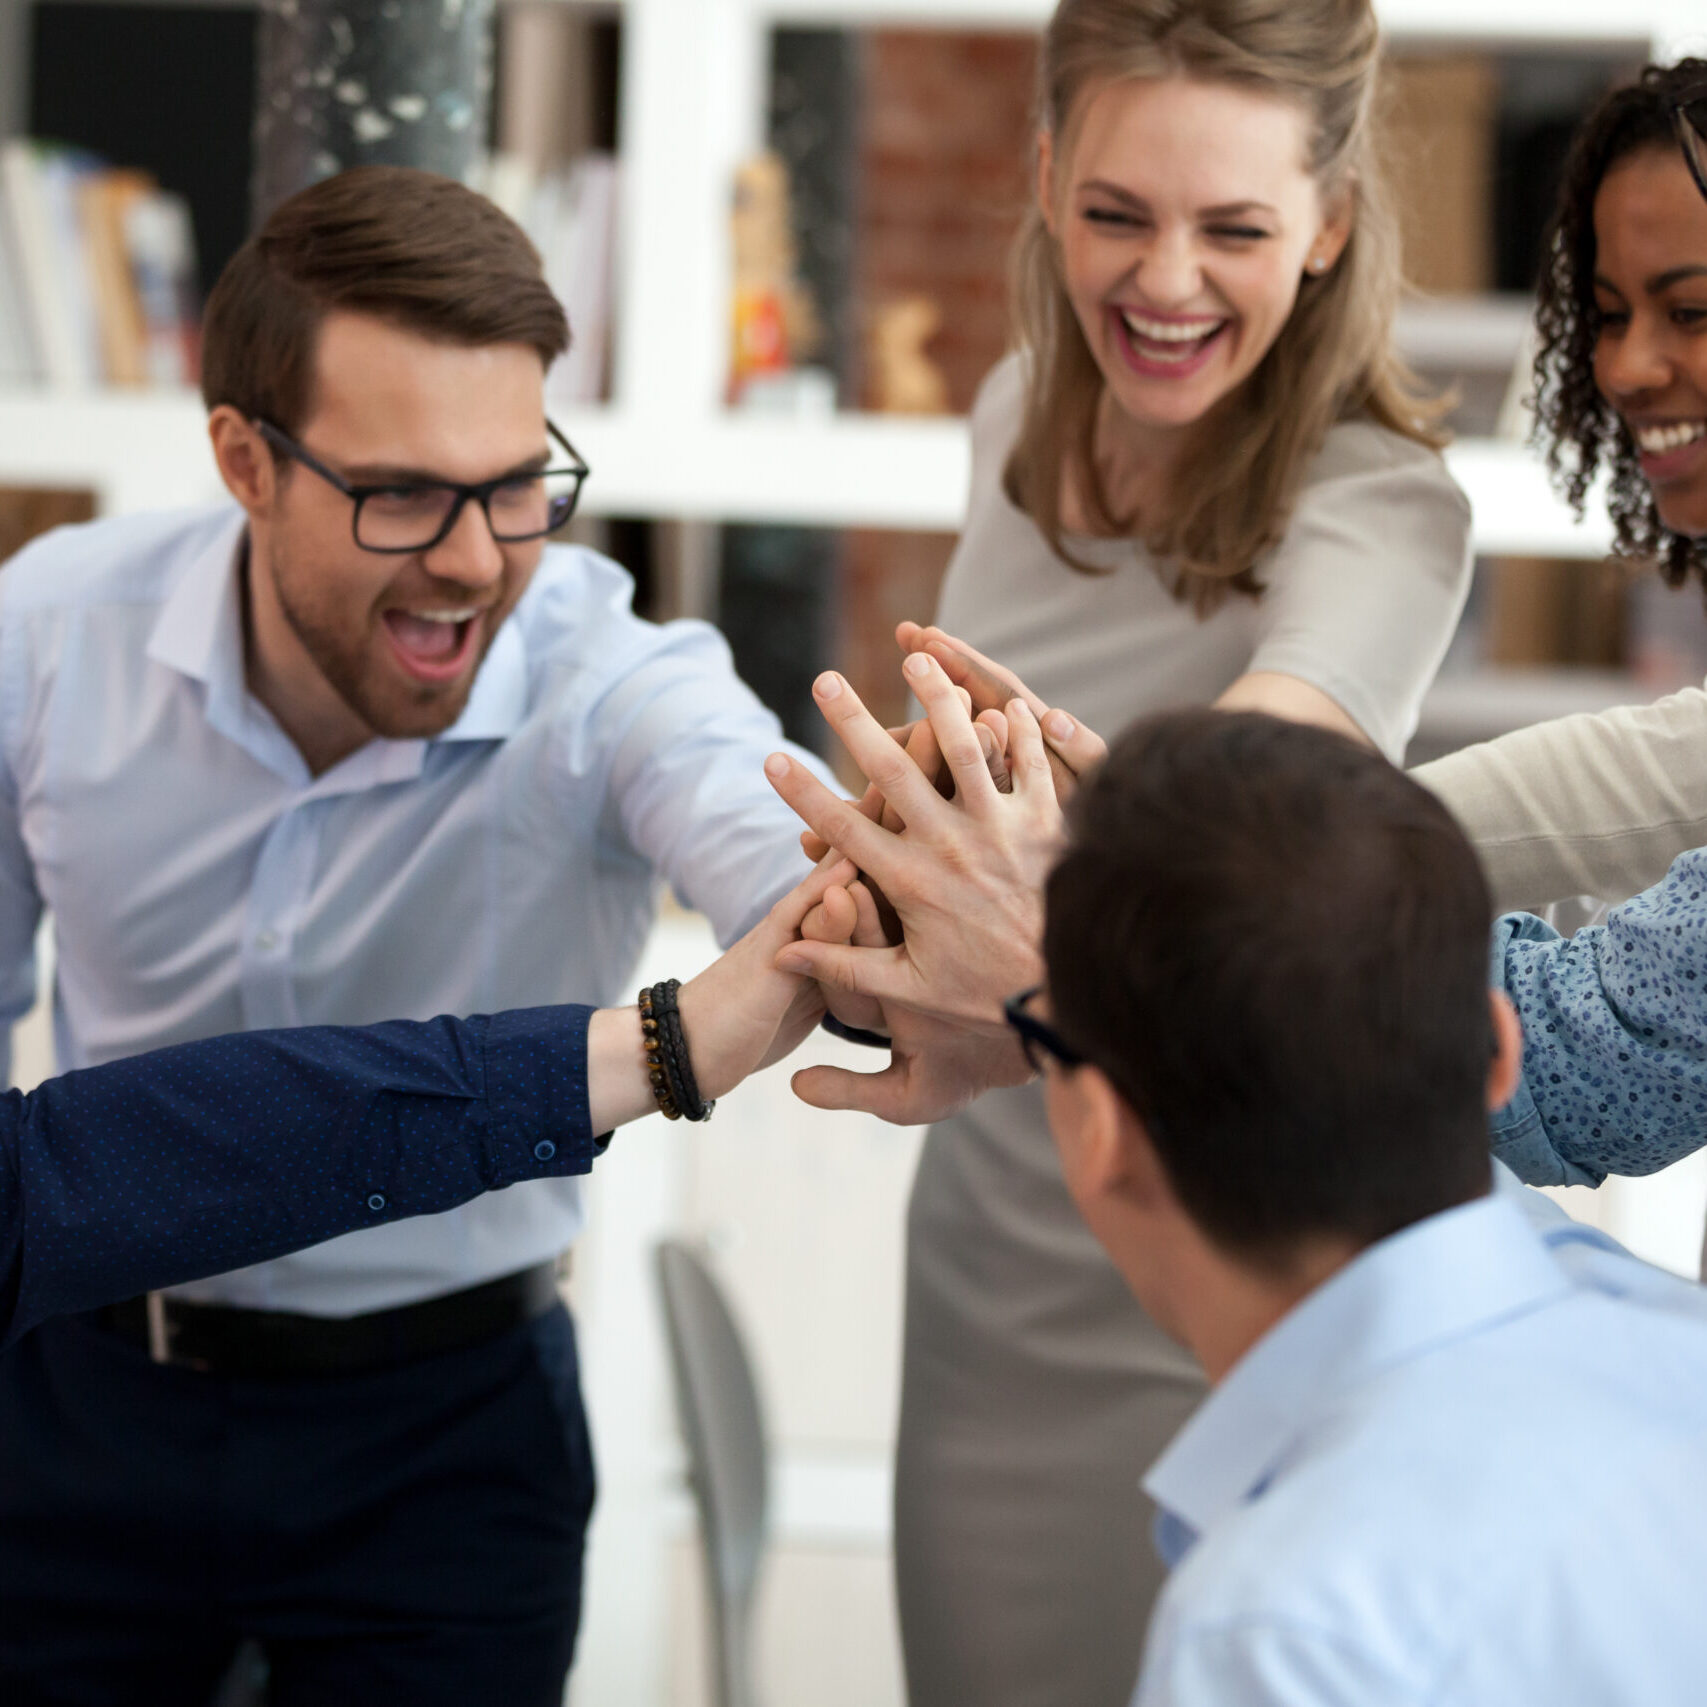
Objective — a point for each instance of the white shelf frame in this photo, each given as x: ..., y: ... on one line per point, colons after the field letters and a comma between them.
x: 692, y: 105
x: 149, y: 451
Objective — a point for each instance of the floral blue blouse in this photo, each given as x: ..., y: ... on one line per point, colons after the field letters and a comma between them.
x: 1614, y: 1036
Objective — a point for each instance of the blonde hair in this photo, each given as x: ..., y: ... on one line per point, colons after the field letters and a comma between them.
x: 1334, y: 357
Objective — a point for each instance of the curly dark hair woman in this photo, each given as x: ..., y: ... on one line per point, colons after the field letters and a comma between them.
x: 1582, y: 428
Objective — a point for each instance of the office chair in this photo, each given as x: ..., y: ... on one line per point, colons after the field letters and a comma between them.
x: 728, y: 1456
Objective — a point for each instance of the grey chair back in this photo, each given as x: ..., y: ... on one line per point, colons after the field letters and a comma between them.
x: 728, y: 1456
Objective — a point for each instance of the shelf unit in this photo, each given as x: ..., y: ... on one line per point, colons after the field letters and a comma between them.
x: 692, y: 107
x: 149, y: 451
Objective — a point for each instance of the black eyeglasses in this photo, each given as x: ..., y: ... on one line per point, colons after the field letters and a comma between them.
x: 1690, y: 117
x: 1036, y: 1034
x: 414, y: 515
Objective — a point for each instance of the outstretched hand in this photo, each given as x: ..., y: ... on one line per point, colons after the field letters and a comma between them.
x: 935, y: 1069
x: 1072, y: 748
x: 744, y: 1011
x: 919, y: 741
x: 964, y: 875
x: 741, y: 1013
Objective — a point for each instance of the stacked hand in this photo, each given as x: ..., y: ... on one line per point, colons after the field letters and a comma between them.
x: 963, y: 874
x: 1072, y: 749
x: 922, y: 915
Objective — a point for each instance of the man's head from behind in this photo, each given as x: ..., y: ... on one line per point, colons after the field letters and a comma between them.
x: 1270, y: 948
x: 396, y: 326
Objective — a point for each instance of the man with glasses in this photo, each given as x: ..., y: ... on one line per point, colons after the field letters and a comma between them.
x: 1441, y: 1460
x: 358, y: 747
x: 1455, y: 1442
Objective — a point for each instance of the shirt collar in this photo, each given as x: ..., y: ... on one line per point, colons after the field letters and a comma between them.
x: 199, y: 633
x: 1437, y: 1281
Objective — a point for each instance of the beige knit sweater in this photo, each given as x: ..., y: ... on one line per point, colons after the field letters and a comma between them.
x: 1598, y: 804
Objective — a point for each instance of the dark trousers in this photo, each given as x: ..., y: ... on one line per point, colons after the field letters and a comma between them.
x: 411, y: 1535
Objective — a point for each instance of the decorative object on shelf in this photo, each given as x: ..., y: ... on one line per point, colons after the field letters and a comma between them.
x: 368, y: 82
x: 97, y: 273
x: 904, y: 379
x: 775, y: 320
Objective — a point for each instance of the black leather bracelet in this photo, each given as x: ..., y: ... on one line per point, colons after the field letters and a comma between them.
x: 855, y: 1033
x: 669, y: 1064
x: 654, y: 1043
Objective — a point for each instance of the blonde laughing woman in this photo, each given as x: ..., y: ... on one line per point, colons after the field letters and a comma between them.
x: 1202, y: 477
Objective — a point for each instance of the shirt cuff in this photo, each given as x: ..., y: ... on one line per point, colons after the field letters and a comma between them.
x: 1516, y: 1134
x: 1517, y: 1138
x: 536, y: 1092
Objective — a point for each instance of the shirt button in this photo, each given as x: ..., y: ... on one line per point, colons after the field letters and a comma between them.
x: 376, y: 1202
x: 267, y: 941
x: 545, y: 1150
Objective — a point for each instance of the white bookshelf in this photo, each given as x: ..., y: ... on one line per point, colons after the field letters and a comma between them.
x: 148, y: 450
x: 691, y: 108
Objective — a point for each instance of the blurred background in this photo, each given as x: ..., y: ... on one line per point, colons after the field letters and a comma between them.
x: 781, y: 227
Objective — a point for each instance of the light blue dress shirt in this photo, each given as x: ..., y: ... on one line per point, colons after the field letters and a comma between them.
x: 1614, y: 1036
x: 202, y: 881
x: 1469, y: 1469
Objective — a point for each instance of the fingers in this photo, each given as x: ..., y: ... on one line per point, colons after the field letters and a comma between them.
x: 815, y: 847
x: 955, y: 733
x: 836, y: 822
x: 884, y: 1094
x: 1028, y: 757
x: 879, y: 972
x: 786, y: 917
x: 995, y: 725
x: 990, y: 684
x: 923, y: 750
x: 868, y: 929
x: 1078, y: 748
x: 834, y: 919
x: 884, y: 763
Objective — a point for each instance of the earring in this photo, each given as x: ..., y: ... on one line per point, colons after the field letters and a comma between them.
x: 1318, y: 263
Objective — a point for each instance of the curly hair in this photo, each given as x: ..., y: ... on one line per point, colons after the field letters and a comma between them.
x: 1574, y: 424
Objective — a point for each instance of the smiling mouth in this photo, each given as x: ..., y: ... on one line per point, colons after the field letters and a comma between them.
x: 1168, y: 343
x: 433, y: 644
x: 1662, y: 439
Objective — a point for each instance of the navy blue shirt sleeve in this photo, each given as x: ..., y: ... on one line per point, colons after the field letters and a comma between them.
x: 1614, y: 1036
x: 205, y: 1157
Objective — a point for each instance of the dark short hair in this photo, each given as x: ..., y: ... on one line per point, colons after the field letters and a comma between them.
x: 418, y: 250
x: 1578, y: 429
x: 1275, y: 944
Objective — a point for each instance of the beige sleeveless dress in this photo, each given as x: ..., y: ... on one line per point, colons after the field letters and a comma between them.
x: 1035, y: 1391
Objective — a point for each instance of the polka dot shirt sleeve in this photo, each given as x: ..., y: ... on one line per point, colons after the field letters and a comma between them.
x: 1614, y: 1036
x: 209, y: 1156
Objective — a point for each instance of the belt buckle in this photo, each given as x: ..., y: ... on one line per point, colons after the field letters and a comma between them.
x: 160, y: 1330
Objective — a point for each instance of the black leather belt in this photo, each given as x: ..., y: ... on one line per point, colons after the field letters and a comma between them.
x: 280, y: 1345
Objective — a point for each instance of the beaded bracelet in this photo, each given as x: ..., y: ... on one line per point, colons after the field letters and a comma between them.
x: 668, y: 1064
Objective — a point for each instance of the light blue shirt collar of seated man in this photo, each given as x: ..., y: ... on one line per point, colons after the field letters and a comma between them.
x: 203, y: 881
x: 1469, y: 1468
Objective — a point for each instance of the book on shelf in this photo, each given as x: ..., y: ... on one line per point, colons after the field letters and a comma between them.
x: 97, y: 273
x: 570, y: 213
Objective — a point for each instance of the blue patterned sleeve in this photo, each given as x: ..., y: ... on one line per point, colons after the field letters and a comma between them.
x: 1614, y: 1036
x: 209, y: 1156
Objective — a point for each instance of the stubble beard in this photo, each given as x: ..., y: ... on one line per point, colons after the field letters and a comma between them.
x: 413, y: 711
